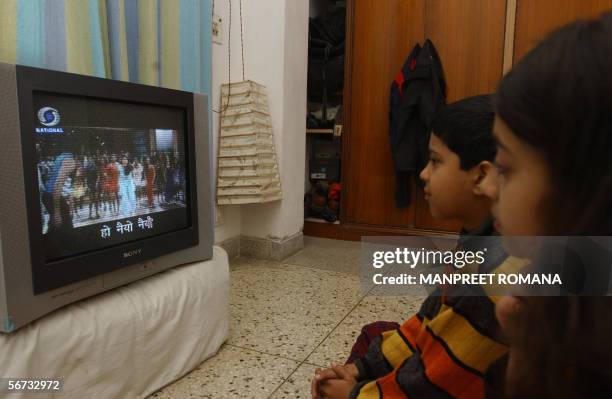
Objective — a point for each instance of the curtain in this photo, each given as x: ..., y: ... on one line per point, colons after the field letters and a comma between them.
x: 156, y: 42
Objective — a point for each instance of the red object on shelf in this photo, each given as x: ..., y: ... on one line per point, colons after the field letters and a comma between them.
x: 334, y: 191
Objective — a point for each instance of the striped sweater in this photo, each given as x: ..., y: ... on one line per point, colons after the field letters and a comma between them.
x: 441, y: 352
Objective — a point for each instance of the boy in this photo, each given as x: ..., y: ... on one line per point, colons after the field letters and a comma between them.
x: 444, y: 350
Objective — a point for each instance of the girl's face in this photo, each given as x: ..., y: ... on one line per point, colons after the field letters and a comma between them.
x: 520, y: 186
x: 519, y: 191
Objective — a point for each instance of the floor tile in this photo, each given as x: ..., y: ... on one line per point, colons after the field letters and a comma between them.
x: 322, y: 253
x: 337, y: 346
x: 385, y: 307
x: 310, y: 306
x: 288, y: 310
x: 232, y: 373
x: 242, y: 262
x: 297, y: 386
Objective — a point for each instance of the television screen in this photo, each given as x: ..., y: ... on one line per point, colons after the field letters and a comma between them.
x: 108, y: 172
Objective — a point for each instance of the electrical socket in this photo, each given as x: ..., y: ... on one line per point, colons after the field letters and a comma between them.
x: 217, y: 33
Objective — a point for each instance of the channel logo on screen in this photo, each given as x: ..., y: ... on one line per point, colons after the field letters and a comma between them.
x: 48, y: 116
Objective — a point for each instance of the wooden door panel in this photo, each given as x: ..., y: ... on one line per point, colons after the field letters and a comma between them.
x: 469, y: 37
x: 535, y: 19
x: 383, y: 33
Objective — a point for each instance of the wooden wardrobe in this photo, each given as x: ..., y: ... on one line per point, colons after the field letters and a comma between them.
x: 477, y: 41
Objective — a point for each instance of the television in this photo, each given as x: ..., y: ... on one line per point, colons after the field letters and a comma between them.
x: 103, y: 182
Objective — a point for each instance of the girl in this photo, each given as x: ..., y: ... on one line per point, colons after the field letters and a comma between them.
x: 111, y: 179
x: 78, y: 191
x: 160, y: 176
x: 149, y: 173
x: 127, y: 189
x: 92, y: 171
x: 554, y: 130
x: 169, y: 188
x: 138, y: 178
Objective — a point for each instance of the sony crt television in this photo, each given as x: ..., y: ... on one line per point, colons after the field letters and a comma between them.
x: 102, y: 183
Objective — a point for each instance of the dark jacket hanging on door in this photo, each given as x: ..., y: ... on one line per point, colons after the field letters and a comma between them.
x: 417, y: 94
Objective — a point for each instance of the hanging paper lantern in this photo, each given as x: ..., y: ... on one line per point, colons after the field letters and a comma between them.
x: 247, y: 169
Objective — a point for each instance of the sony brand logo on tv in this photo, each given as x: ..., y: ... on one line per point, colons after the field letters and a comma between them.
x: 132, y: 253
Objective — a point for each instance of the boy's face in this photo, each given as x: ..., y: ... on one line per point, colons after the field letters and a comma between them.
x: 448, y: 188
x: 519, y: 187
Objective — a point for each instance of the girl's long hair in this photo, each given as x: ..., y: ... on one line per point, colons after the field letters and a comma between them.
x: 558, y: 99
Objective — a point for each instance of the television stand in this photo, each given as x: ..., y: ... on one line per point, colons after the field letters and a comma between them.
x: 131, y: 341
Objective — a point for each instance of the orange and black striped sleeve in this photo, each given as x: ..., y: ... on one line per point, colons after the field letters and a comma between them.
x: 442, y: 352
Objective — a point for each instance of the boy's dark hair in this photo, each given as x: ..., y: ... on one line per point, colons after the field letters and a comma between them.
x: 465, y: 126
x: 558, y: 99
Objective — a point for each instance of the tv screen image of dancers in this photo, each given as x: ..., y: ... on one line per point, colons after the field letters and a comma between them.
x: 108, y: 172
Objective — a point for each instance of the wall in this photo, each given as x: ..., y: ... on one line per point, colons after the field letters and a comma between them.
x: 229, y: 216
x: 275, y: 50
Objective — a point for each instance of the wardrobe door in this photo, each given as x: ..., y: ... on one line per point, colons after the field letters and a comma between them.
x: 380, y: 36
x: 535, y: 19
x: 469, y: 36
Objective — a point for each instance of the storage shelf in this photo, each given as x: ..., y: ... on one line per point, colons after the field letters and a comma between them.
x: 319, y: 220
x: 319, y: 131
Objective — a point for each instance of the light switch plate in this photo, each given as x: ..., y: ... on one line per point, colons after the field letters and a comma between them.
x: 217, y: 33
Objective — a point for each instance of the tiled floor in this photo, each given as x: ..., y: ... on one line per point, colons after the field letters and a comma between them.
x: 287, y: 318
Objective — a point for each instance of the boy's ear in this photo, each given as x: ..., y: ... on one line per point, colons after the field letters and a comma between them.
x: 481, y: 171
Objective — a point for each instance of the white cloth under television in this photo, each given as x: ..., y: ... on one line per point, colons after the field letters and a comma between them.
x: 128, y: 342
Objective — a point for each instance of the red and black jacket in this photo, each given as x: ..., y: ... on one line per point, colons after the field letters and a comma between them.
x: 417, y: 94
